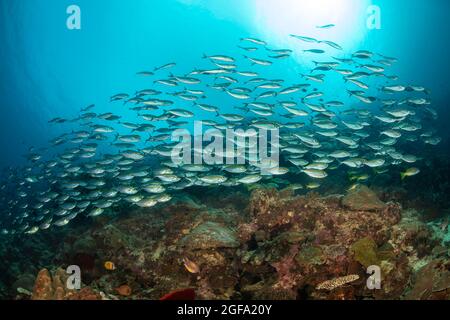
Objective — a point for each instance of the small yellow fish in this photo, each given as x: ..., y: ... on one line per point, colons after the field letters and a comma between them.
x: 313, y: 185
x: 360, y: 177
x: 353, y: 187
x: 409, y: 173
x: 110, y: 266
x: 191, y: 266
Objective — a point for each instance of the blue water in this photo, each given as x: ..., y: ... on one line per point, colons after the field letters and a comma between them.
x: 47, y: 70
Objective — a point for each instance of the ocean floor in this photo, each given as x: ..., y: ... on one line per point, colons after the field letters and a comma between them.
x: 266, y: 244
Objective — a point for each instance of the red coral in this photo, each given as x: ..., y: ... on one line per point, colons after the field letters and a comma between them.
x: 287, y: 279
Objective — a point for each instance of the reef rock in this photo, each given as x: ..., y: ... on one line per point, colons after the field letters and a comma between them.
x: 364, y: 199
x: 53, y: 287
x: 43, y: 288
x: 432, y: 282
x: 365, y: 252
x: 210, y: 235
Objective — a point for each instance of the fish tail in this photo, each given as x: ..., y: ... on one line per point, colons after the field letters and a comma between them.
x: 402, y: 175
x: 205, y: 56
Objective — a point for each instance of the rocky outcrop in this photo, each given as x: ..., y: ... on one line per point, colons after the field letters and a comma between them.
x: 363, y: 199
x: 53, y: 287
x: 431, y: 282
x: 210, y: 235
x: 281, y: 246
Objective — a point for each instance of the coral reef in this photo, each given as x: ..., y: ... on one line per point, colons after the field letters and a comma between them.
x: 432, y: 282
x: 275, y: 246
x: 337, y: 282
x: 53, y: 287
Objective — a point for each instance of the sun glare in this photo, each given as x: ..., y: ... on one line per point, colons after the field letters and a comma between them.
x: 276, y: 19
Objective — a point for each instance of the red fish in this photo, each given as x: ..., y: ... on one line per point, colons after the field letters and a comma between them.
x: 183, y: 294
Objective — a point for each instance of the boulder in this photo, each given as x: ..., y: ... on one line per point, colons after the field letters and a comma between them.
x: 210, y: 235
x: 363, y: 199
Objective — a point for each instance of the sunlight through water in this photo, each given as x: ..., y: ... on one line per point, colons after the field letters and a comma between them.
x: 276, y: 19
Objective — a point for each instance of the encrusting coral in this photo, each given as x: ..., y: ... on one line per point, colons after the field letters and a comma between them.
x: 280, y: 246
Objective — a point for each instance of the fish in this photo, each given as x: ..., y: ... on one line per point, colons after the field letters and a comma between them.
x: 109, y: 265
x: 219, y: 58
x: 326, y: 26
x: 260, y: 62
x: 339, y: 115
x: 145, y: 73
x: 250, y: 179
x: 304, y: 39
x: 191, y: 266
x: 255, y: 41
x: 332, y: 44
x: 315, y: 173
x: 409, y: 173
x: 213, y: 179
x: 319, y: 51
x: 165, y: 66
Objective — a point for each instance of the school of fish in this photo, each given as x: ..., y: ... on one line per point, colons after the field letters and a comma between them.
x: 103, y: 163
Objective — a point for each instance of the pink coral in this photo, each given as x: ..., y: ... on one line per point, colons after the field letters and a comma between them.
x: 287, y: 279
